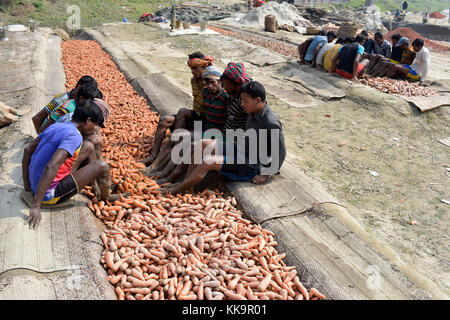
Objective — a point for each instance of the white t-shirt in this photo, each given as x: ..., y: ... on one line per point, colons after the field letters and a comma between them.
x: 421, y: 62
x: 321, y: 53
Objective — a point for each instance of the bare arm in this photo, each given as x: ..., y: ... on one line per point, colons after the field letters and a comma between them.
x: 27, y: 153
x: 49, y: 173
x: 335, y: 61
x: 355, y: 64
x: 47, y: 124
x: 38, y: 119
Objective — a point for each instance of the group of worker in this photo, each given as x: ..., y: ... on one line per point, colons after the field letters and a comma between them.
x: 228, y: 107
x: 352, y: 58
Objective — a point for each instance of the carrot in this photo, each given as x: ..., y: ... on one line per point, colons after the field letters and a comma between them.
x: 313, y: 292
x: 264, y: 283
x: 109, y: 258
x: 120, y: 293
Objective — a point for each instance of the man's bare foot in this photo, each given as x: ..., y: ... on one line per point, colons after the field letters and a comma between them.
x: 149, y: 160
x: 162, y: 181
x: 155, y: 164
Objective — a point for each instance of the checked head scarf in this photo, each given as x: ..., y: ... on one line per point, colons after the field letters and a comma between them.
x: 236, y: 72
x: 197, y: 62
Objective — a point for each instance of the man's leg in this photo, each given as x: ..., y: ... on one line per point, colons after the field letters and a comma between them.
x: 301, y: 51
x: 163, y: 123
x: 316, y: 51
x: 365, y: 63
x: 197, y: 175
x: 179, y: 170
x: 97, y: 170
x: 182, y: 115
x: 161, y: 156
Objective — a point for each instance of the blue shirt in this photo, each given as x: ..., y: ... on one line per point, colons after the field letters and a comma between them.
x: 313, y: 45
x: 58, y: 136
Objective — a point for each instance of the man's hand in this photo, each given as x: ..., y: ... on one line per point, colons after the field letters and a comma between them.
x: 356, y: 80
x: 35, y: 217
x: 260, y: 179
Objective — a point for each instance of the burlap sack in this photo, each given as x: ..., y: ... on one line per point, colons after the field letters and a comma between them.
x: 348, y: 29
x: 313, y: 30
x: 270, y: 23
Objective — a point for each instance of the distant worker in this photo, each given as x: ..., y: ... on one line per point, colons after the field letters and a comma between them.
x: 382, y: 46
x: 405, y: 6
x: 258, y: 3
x: 422, y: 60
x: 369, y: 45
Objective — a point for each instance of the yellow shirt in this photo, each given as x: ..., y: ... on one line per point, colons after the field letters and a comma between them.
x: 197, y: 93
x: 329, y: 56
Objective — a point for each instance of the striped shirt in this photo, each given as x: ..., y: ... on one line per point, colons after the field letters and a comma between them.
x: 216, y: 109
x: 57, y: 101
x: 236, y: 115
x: 198, y: 96
x: 67, y: 107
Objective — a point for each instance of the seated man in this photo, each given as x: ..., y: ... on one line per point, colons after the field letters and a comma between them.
x: 422, y: 61
x: 84, y: 92
x: 315, y: 46
x: 47, y: 162
x: 257, y: 161
x: 58, y: 100
x: 347, y: 60
x: 321, y: 55
x: 303, y: 47
x: 382, y: 46
x: 185, y: 118
x: 369, y: 44
x: 330, y: 54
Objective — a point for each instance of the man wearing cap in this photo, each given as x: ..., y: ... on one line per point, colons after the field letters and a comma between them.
x: 214, y: 99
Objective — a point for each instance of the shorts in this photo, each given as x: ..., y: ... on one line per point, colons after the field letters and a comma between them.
x: 347, y: 75
x: 235, y: 171
x: 412, y: 74
x: 61, y: 190
x: 195, y: 116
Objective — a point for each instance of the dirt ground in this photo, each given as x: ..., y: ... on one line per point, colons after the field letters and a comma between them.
x: 401, y: 142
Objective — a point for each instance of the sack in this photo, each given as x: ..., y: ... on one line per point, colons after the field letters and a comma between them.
x: 313, y: 30
x: 270, y: 23
x: 348, y: 29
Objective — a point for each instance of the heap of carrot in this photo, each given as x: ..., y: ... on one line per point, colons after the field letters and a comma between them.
x: 186, y: 247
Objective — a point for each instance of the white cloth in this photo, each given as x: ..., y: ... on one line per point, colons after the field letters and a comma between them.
x: 421, y: 63
x: 321, y: 53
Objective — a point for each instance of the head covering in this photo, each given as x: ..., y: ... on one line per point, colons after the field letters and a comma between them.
x: 402, y: 40
x: 212, y: 72
x: 197, y: 62
x: 236, y: 72
x: 104, y: 107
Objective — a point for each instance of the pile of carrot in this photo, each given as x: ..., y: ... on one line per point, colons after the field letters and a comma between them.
x: 186, y: 247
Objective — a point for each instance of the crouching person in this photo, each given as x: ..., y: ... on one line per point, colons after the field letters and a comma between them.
x: 254, y: 162
x: 47, y: 163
